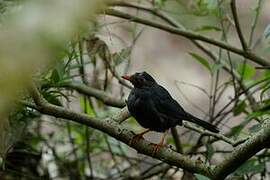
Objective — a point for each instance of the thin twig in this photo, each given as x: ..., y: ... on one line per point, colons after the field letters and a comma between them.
x: 237, y: 25
x: 89, y: 91
x: 176, y: 139
x: 190, y: 35
x: 215, y: 135
x: 254, y: 22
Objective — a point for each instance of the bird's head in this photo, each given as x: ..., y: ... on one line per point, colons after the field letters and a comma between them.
x: 142, y: 79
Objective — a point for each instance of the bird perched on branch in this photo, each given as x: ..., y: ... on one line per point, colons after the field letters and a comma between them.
x: 155, y: 109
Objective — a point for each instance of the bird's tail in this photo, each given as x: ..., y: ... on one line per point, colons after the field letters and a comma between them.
x: 203, y: 123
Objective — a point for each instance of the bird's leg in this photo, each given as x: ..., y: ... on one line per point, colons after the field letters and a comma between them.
x: 137, y: 137
x: 160, y: 144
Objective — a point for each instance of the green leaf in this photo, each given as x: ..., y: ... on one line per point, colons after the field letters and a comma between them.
x: 201, y: 60
x: 55, y: 76
x: 266, y: 74
x: 85, y: 105
x: 51, y: 97
x: 239, y: 108
x: 237, y: 129
x: 246, y: 70
x: 201, y: 177
x: 254, y: 115
x: 250, y: 166
x: 58, y: 73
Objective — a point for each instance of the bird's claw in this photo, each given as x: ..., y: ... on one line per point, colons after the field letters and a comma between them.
x: 156, y: 148
x: 135, y: 139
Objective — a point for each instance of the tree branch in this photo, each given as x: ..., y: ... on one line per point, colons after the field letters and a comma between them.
x: 255, y: 21
x: 168, y: 20
x: 237, y: 25
x: 89, y: 91
x: 244, y: 151
x: 200, y: 45
x: 108, y: 125
x: 114, y: 129
x: 215, y: 135
x: 189, y: 35
x: 176, y: 139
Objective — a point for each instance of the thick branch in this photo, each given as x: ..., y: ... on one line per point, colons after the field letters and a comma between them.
x: 150, y: 10
x: 189, y: 35
x: 243, y: 152
x: 114, y: 129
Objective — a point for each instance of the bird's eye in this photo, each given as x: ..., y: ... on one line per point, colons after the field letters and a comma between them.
x: 140, y: 81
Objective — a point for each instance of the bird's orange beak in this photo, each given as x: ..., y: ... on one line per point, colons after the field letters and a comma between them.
x: 126, y: 77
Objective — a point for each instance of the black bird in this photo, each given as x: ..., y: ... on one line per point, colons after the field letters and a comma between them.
x: 155, y: 109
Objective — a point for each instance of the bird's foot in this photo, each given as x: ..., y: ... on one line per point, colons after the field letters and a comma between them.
x: 135, y: 139
x: 156, y: 148
x: 138, y: 137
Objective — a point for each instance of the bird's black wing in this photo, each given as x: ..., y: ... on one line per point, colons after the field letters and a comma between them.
x: 167, y: 105
x: 170, y: 107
